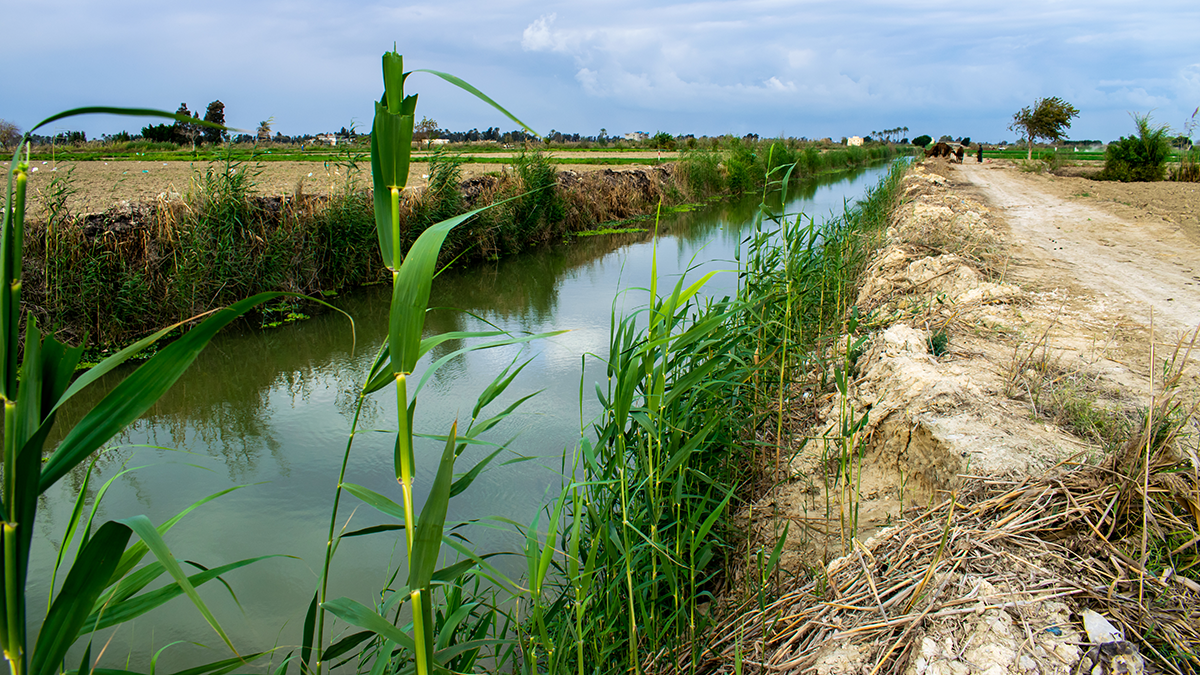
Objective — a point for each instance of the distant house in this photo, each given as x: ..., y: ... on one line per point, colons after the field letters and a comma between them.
x: 440, y: 141
x: 637, y: 136
x: 327, y: 138
x: 854, y: 140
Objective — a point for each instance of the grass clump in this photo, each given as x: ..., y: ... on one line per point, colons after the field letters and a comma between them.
x: 1073, y: 399
x: 611, y: 230
x: 1139, y: 158
x: 939, y: 342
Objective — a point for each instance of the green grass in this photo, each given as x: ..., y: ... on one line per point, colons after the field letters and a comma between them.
x: 610, y: 230
x: 1066, y: 154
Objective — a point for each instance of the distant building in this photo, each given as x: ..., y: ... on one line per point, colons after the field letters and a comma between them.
x: 637, y: 136
x: 440, y: 141
x: 327, y: 138
x: 854, y: 140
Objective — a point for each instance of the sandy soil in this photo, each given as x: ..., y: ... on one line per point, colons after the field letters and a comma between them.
x: 1133, y: 246
x: 99, y: 185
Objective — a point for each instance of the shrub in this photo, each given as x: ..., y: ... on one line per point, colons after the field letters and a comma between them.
x: 1138, y: 158
x: 1189, y: 167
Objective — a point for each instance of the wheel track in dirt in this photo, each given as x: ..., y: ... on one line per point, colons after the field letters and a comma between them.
x: 1137, y: 267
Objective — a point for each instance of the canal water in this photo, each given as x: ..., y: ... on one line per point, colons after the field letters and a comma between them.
x: 270, y: 411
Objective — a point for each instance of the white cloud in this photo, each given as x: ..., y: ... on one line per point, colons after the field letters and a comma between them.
x: 774, y: 63
x: 538, y: 36
x: 774, y: 84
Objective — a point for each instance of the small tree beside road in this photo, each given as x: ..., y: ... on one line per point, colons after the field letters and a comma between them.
x: 425, y: 130
x: 1048, y: 119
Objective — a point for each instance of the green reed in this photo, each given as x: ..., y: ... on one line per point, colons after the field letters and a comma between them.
x: 802, y: 279
x: 37, y: 377
x: 426, y: 623
x: 641, y: 529
x: 739, y: 166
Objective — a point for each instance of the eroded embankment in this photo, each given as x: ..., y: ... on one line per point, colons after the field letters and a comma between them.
x: 139, y: 266
x: 983, y: 477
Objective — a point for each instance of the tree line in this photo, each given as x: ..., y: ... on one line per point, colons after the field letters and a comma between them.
x: 184, y: 133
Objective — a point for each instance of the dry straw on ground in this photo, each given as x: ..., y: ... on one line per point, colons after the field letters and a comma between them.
x: 1018, y: 550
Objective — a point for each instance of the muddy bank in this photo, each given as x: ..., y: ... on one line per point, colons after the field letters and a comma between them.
x: 137, y: 266
x: 985, y: 474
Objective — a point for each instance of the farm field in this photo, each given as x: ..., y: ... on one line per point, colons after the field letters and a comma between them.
x: 97, y: 185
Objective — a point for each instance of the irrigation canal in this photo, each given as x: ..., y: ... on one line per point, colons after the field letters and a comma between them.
x: 270, y: 411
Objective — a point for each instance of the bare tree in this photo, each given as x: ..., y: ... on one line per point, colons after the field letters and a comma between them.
x: 10, y: 134
x: 425, y: 130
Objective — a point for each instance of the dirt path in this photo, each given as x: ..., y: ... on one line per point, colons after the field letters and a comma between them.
x: 1134, y: 266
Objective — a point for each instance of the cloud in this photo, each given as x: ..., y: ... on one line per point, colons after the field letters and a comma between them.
x: 539, y: 37
x: 775, y: 85
x: 800, y: 58
x: 816, y: 68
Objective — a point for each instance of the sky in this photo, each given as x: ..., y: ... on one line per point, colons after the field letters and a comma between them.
x: 770, y: 67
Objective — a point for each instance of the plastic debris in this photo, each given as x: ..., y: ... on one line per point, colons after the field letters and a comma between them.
x: 1110, y: 653
x: 1099, y: 629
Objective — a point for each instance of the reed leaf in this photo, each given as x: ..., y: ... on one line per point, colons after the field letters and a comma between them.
x: 377, y: 501
x: 83, y: 585
x: 410, y: 294
x: 153, y: 540
x: 136, y: 393
x: 111, y: 614
x: 462, y: 84
x: 358, y: 614
x: 135, y: 553
x: 346, y: 644
x: 428, y: 540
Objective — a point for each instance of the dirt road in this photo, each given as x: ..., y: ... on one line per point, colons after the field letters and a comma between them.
x: 1135, y: 265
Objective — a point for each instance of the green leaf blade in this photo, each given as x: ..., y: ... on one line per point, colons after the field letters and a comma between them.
x: 83, y: 585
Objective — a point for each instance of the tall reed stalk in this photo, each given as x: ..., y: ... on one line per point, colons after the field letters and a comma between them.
x: 442, y: 633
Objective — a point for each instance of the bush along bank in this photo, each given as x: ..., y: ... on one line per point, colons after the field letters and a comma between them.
x: 688, y: 434
x: 120, y: 274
